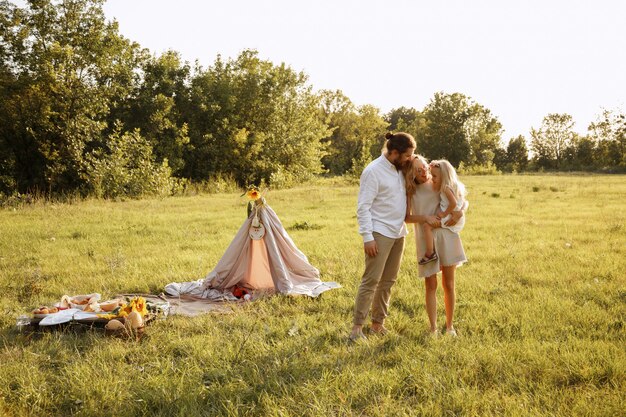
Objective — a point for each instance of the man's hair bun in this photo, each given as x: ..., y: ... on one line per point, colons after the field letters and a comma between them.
x: 399, y: 141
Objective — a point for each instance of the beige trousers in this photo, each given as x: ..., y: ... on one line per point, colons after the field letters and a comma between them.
x: 380, y: 274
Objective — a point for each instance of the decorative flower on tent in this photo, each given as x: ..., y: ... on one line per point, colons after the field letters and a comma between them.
x: 255, y: 198
x: 253, y: 194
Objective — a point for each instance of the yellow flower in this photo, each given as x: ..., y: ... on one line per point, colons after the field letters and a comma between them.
x: 138, y: 304
x: 253, y: 194
x: 125, y: 309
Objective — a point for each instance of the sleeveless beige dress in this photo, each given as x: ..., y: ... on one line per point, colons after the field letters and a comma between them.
x: 448, y: 244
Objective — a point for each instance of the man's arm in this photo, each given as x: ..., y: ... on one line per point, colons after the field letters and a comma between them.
x: 367, y: 193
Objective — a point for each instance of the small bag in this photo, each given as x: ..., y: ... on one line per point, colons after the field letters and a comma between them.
x: 257, y: 230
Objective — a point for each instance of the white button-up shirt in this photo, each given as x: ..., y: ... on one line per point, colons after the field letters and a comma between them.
x: 381, y: 205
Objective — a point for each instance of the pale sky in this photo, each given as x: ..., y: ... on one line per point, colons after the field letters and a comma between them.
x: 521, y: 59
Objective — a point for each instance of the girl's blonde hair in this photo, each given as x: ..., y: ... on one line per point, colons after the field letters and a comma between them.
x: 449, y: 178
x: 408, y: 170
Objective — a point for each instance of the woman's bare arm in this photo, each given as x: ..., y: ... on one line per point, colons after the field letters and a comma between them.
x: 433, y: 221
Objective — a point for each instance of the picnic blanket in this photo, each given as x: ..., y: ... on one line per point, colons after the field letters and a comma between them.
x: 188, y: 305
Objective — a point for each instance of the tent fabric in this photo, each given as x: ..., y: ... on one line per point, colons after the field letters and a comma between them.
x: 258, y: 274
x: 271, y: 262
x: 197, y: 289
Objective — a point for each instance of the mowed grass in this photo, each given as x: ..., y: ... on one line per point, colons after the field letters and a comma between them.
x: 540, y: 313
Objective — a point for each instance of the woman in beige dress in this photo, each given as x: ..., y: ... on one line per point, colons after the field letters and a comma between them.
x: 422, y: 205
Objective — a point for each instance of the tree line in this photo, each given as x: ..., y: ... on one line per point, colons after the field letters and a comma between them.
x: 83, y: 109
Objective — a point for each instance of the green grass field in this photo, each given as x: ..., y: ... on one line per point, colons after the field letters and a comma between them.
x: 540, y: 314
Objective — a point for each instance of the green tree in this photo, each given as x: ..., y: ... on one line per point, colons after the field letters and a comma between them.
x: 410, y: 120
x: 460, y: 130
x: 500, y: 160
x: 404, y: 119
x: 370, y: 129
x: 254, y: 120
x: 484, y: 134
x: 517, y: 153
x: 339, y: 114
x: 445, y: 135
x: 585, y: 149
x: 158, y: 106
x: 357, y: 133
x: 550, y: 141
x: 63, y: 67
x: 609, y: 135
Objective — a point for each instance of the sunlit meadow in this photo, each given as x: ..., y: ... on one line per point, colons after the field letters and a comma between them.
x: 540, y: 314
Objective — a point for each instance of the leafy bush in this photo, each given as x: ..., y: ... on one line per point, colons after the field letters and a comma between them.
x: 483, y: 169
x: 15, y: 200
x: 305, y: 226
x: 125, y: 166
x: 218, y: 183
x: 282, y: 179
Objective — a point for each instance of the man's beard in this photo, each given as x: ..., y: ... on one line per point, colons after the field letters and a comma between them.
x: 398, y: 165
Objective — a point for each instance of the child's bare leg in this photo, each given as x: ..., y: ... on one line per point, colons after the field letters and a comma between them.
x: 428, y: 236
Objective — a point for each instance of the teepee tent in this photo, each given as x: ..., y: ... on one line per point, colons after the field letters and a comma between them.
x: 261, y: 256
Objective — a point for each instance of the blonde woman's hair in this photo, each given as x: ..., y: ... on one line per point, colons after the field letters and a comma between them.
x: 409, y: 174
x: 449, y: 178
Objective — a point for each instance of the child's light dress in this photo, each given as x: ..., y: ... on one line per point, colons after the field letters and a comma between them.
x: 443, y: 205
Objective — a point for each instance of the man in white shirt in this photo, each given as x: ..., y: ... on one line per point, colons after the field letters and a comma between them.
x: 381, y: 210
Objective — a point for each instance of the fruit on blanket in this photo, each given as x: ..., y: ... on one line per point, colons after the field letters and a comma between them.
x: 109, y: 305
x: 114, y: 325
x: 65, y: 301
x: 133, y: 321
x: 45, y: 310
